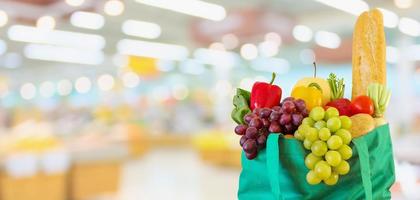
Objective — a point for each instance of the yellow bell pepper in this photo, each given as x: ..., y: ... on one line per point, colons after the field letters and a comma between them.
x: 311, y: 95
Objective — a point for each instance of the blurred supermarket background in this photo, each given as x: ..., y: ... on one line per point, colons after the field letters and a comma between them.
x: 131, y: 99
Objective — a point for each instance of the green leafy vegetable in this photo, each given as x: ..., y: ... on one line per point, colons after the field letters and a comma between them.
x: 241, y: 105
x: 244, y: 93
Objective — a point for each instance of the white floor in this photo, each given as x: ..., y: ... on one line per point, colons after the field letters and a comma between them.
x: 176, y: 174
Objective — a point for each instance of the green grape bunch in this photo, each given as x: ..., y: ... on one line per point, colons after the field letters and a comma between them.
x: 327, y: 136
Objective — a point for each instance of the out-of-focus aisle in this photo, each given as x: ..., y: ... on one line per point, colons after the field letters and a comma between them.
x: 172, y: 173
x: 132, y: 99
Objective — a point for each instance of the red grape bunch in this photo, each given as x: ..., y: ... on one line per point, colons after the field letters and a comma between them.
x: 284, y: 118
x: 292, y: 113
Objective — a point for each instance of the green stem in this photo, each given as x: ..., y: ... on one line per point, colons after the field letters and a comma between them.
x: 273, y: 76
x: 316, y: 85
x: 314, y: 70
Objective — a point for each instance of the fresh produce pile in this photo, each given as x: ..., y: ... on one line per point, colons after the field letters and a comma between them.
x: 267, y: 116
x: 283, y: 118
x: 325, y: 127
x: 317, y: 113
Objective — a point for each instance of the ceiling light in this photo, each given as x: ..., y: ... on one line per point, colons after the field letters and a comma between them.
x: 277, y: 65
x: 55, y: 37
x: 114, y: 7
x: 190, y: 7
x: 268, y: 48
x: 409, y: 26
x: 215, y: 57
x: 28, y: 91
x: 141, y: 29
x: 354, y: 7
x: 403, y: 3
x: 390, y: 18
x: 3, y: 18
x: 106, y: 82
x: 64, y: 87
x: 230, y: 41
x: 83, y: 85
x: 87, y: 20
x: 152, y: 49
x: 249, y: 51
x: 63, y: 54
x: 75, y: 2
x: 327, y: 39
x: 302, y: 33
x: 130, y: 79
x: 46, y: 22
x: 217, y: 46
x: 273, y: 37
x: 47, y: 89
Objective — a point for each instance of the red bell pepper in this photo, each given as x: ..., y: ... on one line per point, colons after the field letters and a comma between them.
x: 265, y: 95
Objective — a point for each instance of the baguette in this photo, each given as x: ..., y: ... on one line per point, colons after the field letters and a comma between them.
x: 368, y: 51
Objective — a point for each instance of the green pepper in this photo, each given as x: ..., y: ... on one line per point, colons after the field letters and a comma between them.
x: 241, y: 105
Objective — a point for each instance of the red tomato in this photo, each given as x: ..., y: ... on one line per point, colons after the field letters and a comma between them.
x: 362, y: 104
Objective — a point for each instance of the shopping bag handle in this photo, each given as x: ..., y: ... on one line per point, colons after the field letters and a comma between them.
x: 363, y: 152
x: 273, y: 165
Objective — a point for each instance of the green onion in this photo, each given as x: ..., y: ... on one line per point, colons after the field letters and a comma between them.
x: 337, y: 86
x: 380, y: 96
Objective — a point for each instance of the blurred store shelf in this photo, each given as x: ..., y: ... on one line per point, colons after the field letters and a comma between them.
x: 124, y: 100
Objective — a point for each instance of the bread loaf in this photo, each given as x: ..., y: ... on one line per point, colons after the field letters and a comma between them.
x: 369, y: 65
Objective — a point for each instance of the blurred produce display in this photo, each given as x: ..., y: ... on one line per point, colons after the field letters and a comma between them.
x: 218, y: 148
x: 88, y: 86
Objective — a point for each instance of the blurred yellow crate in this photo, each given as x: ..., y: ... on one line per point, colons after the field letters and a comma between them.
x: 92, y: 179
x: 222, y: 157
x: 137, y: 148
x: 38, y: 187
x: 166, y: 140
x: 138, y: 142
x: 232, y: 158
x: 138, y: 145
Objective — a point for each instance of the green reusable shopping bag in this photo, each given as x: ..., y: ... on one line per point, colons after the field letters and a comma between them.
x: 279, y: 171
